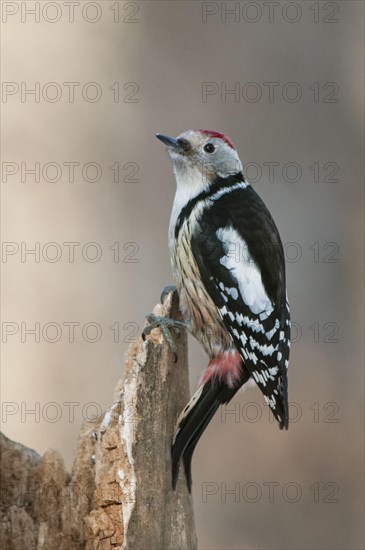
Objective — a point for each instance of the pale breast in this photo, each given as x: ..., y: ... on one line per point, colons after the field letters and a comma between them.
x: 195, y: 303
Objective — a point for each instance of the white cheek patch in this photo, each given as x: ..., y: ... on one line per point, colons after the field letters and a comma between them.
x: 242, y: 267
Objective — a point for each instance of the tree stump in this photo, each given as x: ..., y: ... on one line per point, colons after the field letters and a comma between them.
x: 119, y: 494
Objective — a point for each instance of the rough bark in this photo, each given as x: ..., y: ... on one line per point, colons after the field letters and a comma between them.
x: 119, y: 494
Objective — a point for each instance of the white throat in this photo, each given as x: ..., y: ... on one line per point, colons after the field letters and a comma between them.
x: 189, y: 184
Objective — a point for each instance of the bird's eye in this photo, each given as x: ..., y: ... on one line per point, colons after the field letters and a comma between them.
x: 209, y: 148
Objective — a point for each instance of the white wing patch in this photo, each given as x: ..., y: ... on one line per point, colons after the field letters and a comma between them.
x: 240, y: 263
x: 264, y: 349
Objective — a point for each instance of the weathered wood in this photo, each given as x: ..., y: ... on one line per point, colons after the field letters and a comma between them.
x: 119, y: 495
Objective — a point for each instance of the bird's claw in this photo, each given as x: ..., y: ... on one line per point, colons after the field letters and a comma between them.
x: 165, y: 324
x: 166, y: 291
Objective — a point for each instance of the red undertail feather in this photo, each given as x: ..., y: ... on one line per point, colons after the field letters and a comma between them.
x: 226, y: 367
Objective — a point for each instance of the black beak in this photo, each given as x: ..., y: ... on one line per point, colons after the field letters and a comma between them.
x: 173, y: 143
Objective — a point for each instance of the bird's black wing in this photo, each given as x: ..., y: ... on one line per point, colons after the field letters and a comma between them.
x: 239, y: 253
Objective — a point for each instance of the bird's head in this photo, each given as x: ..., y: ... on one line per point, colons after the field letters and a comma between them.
x: 202, y: 155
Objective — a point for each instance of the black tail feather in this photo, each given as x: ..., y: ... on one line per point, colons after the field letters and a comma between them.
x: 198, y: 412
x: 188, y: 454
x: 193, y: 421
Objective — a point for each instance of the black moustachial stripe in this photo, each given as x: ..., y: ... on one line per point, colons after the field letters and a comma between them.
x: 217, y: 184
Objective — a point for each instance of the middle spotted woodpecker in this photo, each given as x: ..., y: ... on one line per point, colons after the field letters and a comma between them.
x: 228, y: 263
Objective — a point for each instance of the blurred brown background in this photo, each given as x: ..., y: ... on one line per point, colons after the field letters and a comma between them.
x: 105, y: 77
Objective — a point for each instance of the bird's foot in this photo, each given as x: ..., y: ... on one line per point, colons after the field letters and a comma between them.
x: 166, y: 324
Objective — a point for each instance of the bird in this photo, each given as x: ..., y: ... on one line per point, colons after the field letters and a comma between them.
x: 229, y: 267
